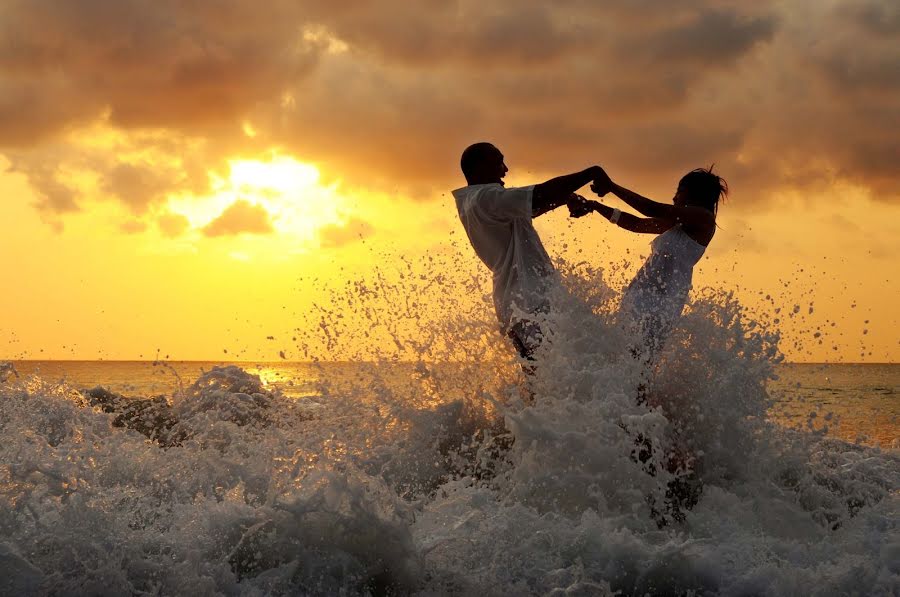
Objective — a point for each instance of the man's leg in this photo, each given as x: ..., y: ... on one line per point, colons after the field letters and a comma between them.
x: 526, y: 336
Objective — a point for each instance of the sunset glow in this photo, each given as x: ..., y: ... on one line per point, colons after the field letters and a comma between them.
x: 282, y: 195
x: 306, y: 150
x: 405, y: 297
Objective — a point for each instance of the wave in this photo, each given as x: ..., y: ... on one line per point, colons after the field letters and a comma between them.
x: 452, y: 475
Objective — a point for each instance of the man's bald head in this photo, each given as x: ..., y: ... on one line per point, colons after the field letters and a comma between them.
x: 482, y: 163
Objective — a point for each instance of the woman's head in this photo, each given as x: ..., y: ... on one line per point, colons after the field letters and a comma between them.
x: 701, y: 188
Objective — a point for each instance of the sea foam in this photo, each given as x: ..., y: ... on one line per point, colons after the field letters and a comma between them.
x: 454, y: 474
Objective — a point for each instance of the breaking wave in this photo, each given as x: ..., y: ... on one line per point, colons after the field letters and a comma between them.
x: 445, y: 472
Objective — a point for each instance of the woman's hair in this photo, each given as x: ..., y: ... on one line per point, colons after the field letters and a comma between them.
x: 703, y: 188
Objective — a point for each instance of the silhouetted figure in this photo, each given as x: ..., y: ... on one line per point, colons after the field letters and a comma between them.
x: 498, y: 222
x: 656, y: 297
x: 654, y: 300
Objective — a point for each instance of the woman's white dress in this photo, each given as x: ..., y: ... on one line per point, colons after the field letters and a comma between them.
x: 657, y: 295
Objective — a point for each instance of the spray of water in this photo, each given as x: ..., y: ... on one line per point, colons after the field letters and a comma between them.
x: 430, y: 465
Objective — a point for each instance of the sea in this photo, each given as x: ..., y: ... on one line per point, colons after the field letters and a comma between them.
x: 858, y: 402
x: 720, y: 470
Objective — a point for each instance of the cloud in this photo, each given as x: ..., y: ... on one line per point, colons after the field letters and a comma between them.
x: 465, y: 33
x: 54, y: 195
x: 385, y: 94
x: 354, y: 230
x: 133, y: 226
x: 172, y: 225
x: 135, y: 186
x: 139, y: 169
x: 241, y: 217
x: 875, y: 16
x: 712, y: 37
x: 145, y: 62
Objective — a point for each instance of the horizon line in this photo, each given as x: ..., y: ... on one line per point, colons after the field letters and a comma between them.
x: 323, y: 361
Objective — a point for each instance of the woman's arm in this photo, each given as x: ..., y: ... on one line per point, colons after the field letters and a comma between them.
x: 648, y: 207
x: 694, y: 218
x: 628, y: 221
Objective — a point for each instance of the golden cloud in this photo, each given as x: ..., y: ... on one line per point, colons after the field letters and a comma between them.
x: 386, y: 94
x: 241, y: 217
x: 172, y: 225
x: 354, y: 230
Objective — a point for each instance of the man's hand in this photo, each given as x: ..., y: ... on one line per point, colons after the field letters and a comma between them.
x: 602, y: 183
x: 578, y: 206
x: 556, y: 191
x: 602, y: 186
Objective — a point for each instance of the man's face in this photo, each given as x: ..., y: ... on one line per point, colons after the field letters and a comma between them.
x: 494, y: 165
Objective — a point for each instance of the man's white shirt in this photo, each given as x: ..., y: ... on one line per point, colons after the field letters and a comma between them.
x: 498, y: 223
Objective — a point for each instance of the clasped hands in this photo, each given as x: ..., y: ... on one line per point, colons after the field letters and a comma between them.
x: 578, y: 205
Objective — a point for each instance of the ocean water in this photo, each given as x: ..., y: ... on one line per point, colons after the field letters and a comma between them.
x: 859, y: 403
x: 855, y: 402
x: 738, y: 475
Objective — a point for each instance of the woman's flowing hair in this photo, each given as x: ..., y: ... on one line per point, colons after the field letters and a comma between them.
x: 704, y: 188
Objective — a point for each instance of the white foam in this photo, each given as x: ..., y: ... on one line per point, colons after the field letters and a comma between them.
x: 383, y: 480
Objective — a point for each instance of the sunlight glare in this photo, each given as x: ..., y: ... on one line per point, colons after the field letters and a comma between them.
x: 290, y: 191
x: 282, y: 174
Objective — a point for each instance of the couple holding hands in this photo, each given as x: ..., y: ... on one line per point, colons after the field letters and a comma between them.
x: 498, y: 222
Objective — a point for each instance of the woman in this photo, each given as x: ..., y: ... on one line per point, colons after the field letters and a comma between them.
x: 657, y: 295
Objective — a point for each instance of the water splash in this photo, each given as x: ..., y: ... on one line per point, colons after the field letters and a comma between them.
x: 447, y: 473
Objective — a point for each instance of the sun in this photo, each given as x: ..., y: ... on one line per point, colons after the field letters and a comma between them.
x: 290, y: 191
x: 281, y: 174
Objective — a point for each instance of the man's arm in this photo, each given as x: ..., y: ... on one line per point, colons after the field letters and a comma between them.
x: 556, y: 191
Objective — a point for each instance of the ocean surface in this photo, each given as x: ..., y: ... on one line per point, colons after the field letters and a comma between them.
x: 720, y: 471
x: 855, y: 402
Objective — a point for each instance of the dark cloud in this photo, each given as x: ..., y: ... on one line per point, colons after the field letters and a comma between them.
x: 423, y: 33
x: 832, y: 107
x: 610, y: 93
x: 31, y: 111
x: 875, y: 16
x: 241, y: 217
x: 387, y: 93
x: 872, y: 69
x: 352, y: 231
x: 145, y: 62
x: 710, y: 38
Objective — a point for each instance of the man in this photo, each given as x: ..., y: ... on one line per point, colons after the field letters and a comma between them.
x: 498, y: 222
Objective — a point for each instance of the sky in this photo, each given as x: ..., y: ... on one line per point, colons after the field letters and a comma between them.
x: 199, y: 180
